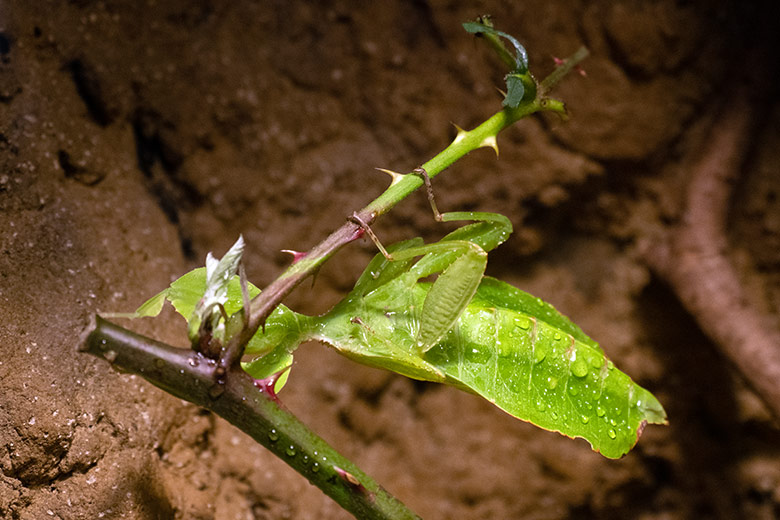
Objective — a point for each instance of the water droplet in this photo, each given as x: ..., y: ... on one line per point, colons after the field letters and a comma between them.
x: 539, y: 353
x: 612, y: 434
x: 573, y: 390
x: 600, y: 411
x: 613, y: 422
x: 315, y: 467
x: 610, y: 365
x: 585, y: 419
x: 596, y: 361
x: 555, y: 415
x: 110, y: 356
x: 290, y: 450
x: 159, y: 363
x: 273, y: 435
x: 579, y: 368
x: 103, y: 344
x: 540, y: 405
x: 552, y: 382
x: 305, y: 459
x: 523, y: 323
x: 557, y: 336
x: 193, y: 362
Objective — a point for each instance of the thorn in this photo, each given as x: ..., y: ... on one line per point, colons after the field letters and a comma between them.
x: 358, y: 234
x: 490, y: 142
x: 297, y: 255
x: 352, y: 481
x: 395, y: 176
x: 267, y: 385
x: 461, y: 135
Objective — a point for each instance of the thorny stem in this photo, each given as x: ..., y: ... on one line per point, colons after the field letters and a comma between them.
x: 480, y: 137
x: 236, y: 398
x: 189, y: 375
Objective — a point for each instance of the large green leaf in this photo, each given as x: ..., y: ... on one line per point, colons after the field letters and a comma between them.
x: 509, y: 347
x: 515, y: 351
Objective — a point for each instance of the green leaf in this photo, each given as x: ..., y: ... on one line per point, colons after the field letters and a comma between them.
x: 521, y: 55
x: 520, y: 85
x: 273, y: 345
x: 523, y: 356
x: 493, y: 292
x: 515, y: 90
x: 218, y: 275
x: 514, y: 350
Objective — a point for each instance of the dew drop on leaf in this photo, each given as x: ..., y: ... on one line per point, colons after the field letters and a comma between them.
x: 579, y: 367
x: 523, y: 323
x: 584, y: 419
x: 273, y: 435
x: 600, y: 411
x: 612, y: 434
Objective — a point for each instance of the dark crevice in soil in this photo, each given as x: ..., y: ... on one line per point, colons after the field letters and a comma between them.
x: 89, y: 88
x: 159, y: 162
x: 711, y: 440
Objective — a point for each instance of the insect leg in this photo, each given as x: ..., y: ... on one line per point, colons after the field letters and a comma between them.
x: 429, y: 189
x: 365, y: 227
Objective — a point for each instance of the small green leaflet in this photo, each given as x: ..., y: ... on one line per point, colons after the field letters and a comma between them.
x: 218, y: 276
x: 519, y: 82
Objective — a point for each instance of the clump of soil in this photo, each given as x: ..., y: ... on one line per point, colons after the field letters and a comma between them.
x: 135, y: 137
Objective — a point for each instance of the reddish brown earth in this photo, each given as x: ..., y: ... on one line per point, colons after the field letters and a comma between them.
x: 137, y: 136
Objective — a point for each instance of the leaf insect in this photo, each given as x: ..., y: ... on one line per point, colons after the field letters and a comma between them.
x: 461, y: 262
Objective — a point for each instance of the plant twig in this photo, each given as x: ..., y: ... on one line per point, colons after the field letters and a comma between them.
x: 189, y: 375
x: 483, y: 136
x: 563, y: 70
x: 694, y: 260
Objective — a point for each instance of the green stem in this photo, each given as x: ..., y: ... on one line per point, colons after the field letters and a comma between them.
x: 189, y: 375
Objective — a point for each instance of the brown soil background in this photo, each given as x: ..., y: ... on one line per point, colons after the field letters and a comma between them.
x: 137, y: 136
